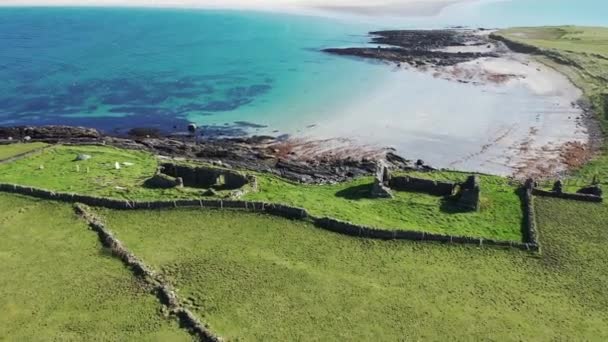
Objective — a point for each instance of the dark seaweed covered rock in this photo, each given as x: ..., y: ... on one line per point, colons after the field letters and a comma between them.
x: 49, y: 132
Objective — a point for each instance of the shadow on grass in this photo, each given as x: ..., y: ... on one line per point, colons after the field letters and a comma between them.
x: 449, y: 205
x: 521, y: 193
x: 356, y: 192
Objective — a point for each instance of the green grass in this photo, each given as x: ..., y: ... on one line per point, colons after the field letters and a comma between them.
x: 11, y: 150
x: 56, y: 169
x: 254, y: 277
x: 500, y: 216
x: 57, y: 283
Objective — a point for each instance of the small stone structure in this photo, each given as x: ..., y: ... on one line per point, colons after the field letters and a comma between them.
x: 162, y: 181
x: 381, y: 180
x: 470, y: 193
x: 206, y: 177
x: 592, y: 193
x: 436, y: 188
x: 558, y: 187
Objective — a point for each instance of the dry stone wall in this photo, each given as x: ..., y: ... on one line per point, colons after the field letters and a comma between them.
x: 530, y: 226
x: 23, y: 155
x: 568, y: 196
x: 285, y: 211
x: 164, y: 291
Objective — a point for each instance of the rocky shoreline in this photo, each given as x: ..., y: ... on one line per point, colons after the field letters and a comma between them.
x: 257, y: 153
x: 425, y: 48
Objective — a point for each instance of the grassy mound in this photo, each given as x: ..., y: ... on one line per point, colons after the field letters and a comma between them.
x: 58, y: 284
x: 8, y: 151
x: 260, y: 278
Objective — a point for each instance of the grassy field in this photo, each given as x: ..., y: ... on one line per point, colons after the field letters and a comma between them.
x: 58, y: 284
x: 500, y: 216
x: 586, y: 49
x: 255, y: 277
x: 8, y: 151
x: 56, y: 169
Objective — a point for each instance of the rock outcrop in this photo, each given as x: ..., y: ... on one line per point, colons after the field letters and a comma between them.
x: 49, y: 132
x: 419, y: 48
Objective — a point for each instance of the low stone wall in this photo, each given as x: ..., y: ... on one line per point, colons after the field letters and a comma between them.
x: 530, y: 228
x: 285, y: 211
x: 437, y: 188
x: 23, y: 155
x: 205, y: 177
x: 605, y: 101
x: 350, y: 229
x: 568, y: 196
x: 164, y: 291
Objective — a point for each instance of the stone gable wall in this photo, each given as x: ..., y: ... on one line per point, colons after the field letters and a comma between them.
x: 437, y: 188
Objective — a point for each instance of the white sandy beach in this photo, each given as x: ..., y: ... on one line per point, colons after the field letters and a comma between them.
x: 363, y: 7
x: 508, y: 115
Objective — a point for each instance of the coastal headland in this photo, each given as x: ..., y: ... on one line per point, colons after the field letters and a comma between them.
x: 563, y: 138
x: 190, y: 237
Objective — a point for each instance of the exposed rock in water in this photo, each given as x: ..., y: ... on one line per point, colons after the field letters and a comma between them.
x: 49, y: 132
x: 420, y: 48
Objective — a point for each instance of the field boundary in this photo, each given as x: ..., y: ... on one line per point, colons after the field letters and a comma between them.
x: 164, y: 291
x: 289, y: 212
x: 24, y: 154
x: 569, y: 196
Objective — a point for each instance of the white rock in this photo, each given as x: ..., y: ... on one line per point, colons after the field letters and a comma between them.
x: 82, y: 157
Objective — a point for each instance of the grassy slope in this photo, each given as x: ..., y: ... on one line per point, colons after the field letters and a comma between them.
x: 500, y: 217
x: 588, y: 48
x: 261, y: 278
x: 57, y: 284
x: 7, y: 151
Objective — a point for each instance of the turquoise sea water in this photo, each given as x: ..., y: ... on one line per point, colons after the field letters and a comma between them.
x: 236, y: 73
x: 231, y: 71
x: 120, y: 68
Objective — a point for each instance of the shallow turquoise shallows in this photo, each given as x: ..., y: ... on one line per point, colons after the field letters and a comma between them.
x: 235, y: 72
x: 120, y: 68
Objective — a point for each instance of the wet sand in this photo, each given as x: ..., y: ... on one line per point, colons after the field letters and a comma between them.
x: 508, y: 115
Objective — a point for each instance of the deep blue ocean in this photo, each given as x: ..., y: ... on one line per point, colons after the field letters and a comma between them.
x: 232, y: 72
